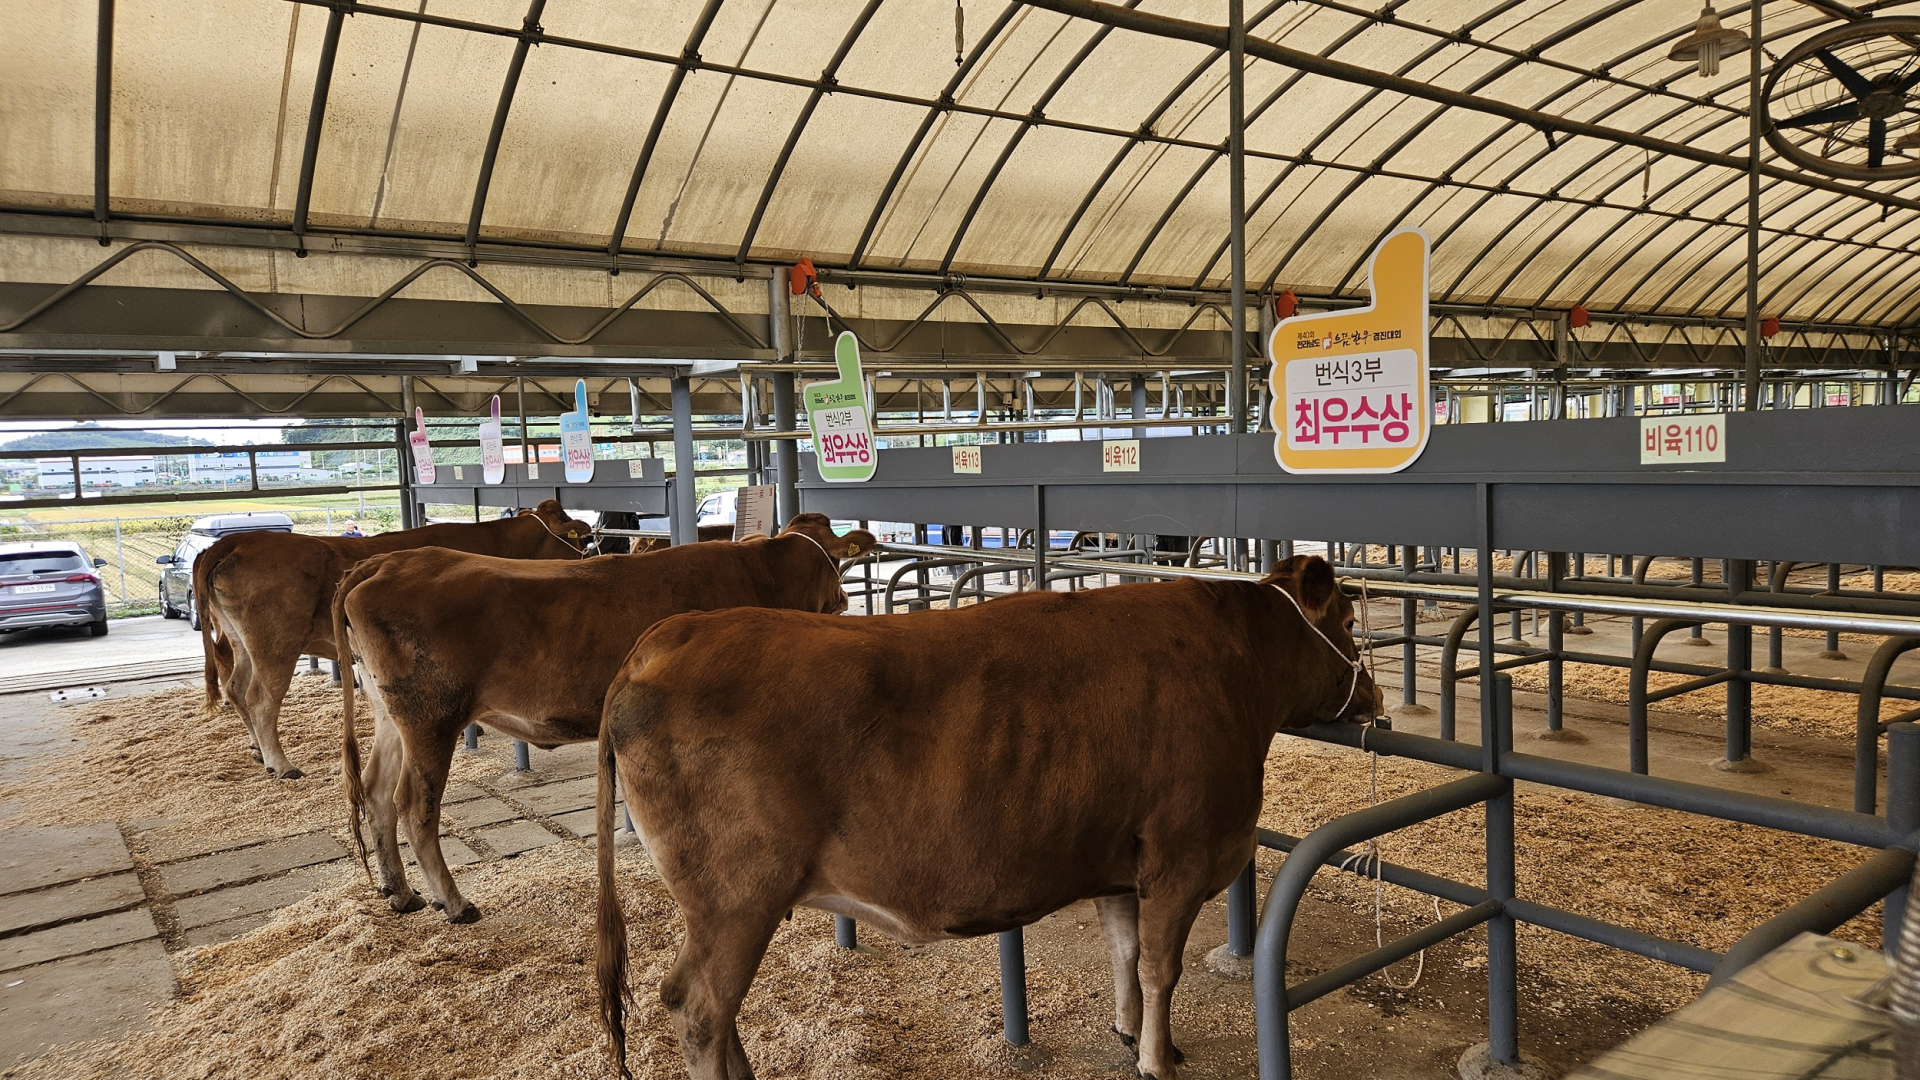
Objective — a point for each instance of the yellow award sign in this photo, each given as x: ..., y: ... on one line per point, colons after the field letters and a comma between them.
x: 1349, y: 387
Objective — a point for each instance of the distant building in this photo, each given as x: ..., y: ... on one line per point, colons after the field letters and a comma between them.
x: 233, y: 468
x: 129, y: 471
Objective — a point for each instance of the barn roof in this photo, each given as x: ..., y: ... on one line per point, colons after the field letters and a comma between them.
x: 1037, y: 146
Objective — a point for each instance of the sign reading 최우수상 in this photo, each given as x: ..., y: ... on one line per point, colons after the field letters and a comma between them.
x: 1350, y: 387
x: 838, y: 416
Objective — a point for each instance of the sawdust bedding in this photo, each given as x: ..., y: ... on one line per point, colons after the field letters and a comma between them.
x: 184, y: 781
x: 1828, y: 713
x: 337, y: 986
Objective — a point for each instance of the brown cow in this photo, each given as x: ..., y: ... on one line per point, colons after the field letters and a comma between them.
x: 266, y: 598
x: 952, y: 773
x: 446, y: 640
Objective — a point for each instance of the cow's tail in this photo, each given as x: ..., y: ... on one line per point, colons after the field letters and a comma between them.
x: 610, y: 961
x: 349, y: 740
x: 203, y: 604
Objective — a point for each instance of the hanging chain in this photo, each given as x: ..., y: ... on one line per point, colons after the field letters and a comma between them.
x: 959, y: 31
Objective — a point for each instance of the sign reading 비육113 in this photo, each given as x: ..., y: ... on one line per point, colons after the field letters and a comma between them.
x: 838, y: 416
x: 1350, y: 387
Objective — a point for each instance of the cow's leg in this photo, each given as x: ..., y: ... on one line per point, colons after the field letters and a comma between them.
x: 708, y: 981
x: 1166, y: 917
x: 265, y: 692
x: 385, y: 769
x: 427, y: 767
x: 1120, y: 925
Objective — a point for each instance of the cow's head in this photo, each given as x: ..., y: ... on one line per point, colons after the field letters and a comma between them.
x: 839, y: 551
x: 572, y: 532
x: 1332, y: 687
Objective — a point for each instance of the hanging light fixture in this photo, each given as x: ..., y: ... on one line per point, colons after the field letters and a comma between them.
x: 1709, y: 43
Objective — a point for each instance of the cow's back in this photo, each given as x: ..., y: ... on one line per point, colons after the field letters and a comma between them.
x: 500, y: 631
x: 1051, y: 721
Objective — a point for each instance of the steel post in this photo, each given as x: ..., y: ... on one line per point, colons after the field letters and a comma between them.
x: 846, y: 932
x: 1503, y: 980
x: 402, y: 448
x: 786, y: 452
x: 1750, y: 376
x: 522, y: 761
x: 1139, y: 405
x: 1240, y: 921
x: 1039, y: 538
x: 1866, y: 736
x: 683, y: 522
x: 1013, y: 987
x: 472, y: 735
x: 1903, y: 815
x: 1237, y: 212
x: 1409, y: 618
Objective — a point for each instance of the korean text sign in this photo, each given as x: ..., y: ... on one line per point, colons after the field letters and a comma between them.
x: 838, y: 415
x: 1350, y: 387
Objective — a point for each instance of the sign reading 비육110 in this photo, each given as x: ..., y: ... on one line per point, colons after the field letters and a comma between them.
x: 838, y: 416
x: 1350, y: 387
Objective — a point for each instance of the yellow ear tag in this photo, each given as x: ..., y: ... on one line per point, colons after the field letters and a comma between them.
x: 852, y: 550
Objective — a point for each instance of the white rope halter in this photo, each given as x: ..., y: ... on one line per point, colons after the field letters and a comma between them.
x: 824, y: 553
x: 1353, y: 684
x: 535, y: 515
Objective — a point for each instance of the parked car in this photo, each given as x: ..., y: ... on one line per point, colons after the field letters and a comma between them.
x: 176, y: 581
x: 51, y: 583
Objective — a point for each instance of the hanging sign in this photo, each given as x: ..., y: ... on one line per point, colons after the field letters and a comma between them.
x: 576, y: 445
x: 1350, y: 387
x: 837, y: 412
x: 493, y: 452
x: 753, y: 511
x: 422, y: 450
x: 966, y: 459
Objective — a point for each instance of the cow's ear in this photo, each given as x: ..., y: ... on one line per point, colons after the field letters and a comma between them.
x: 1316, y: 585
x: 1288, y: 567
x: 859, y: 542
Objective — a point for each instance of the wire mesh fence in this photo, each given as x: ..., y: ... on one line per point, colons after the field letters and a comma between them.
x: 130, y: 544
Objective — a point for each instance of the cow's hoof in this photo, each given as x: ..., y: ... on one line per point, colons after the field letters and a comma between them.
x: 292, y: 774
x: 1124, y: 1037
x: 468, y: 914
x: 384, y: 890
x: 255, y: 751
x: 1178, y: 1057
x: 407, y: 906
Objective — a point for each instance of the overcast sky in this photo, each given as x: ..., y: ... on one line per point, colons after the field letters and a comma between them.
x: 218, y: 432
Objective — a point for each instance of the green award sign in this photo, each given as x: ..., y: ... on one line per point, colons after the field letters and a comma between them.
x: 838, y: 415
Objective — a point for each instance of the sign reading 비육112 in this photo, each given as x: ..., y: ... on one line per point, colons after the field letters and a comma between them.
x: 1350, y: 387
x: 838, y: 416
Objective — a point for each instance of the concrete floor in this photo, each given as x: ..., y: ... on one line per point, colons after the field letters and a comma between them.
x: 89, y: 931
x: 48, y: 658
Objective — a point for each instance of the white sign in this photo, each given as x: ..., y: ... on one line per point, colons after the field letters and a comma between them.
x: 966, y: 459
x: 1680, y: 440
x: 422, y: 450
x: 533, y: 470
x: 634, y: 469
x: 753, y: 513
x: 493, y: 454
x: 457, y: 474
x: 1120, y: 455
x: 576, y: 444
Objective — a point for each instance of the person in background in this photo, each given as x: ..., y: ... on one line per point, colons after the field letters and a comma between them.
x: 352, y: 529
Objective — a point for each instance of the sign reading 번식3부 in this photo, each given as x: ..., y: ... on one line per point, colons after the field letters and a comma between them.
x: 838, y: 415
x: 1350, y: 387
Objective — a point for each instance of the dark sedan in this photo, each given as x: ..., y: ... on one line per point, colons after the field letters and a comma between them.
x: 51, y: 583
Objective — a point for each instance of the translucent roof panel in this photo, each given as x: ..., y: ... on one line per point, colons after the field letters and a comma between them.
x: 1042, y: 148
